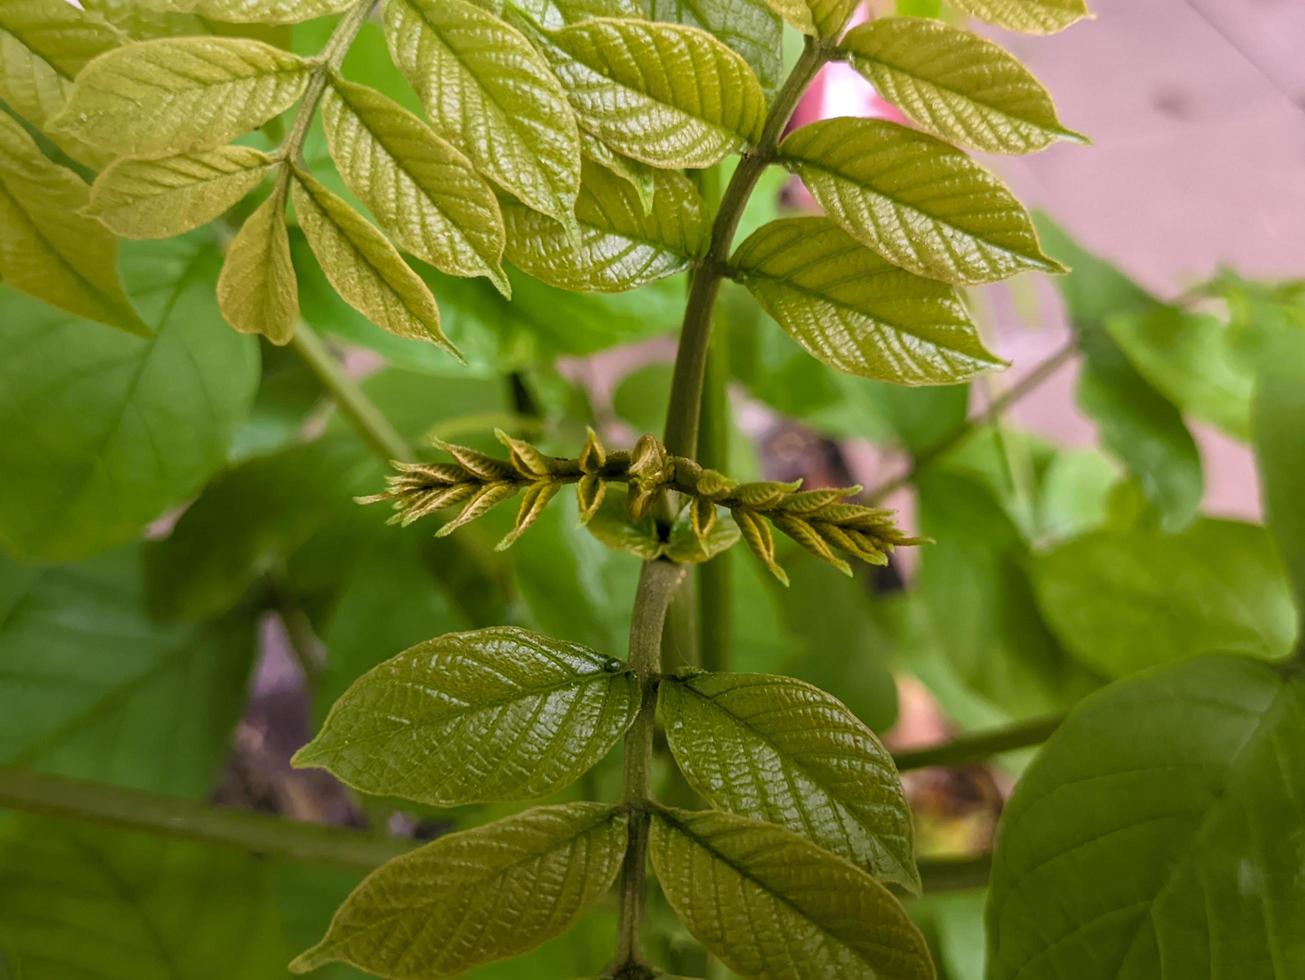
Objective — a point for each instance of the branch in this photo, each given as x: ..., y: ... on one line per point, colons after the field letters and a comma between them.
x: 980, y: 746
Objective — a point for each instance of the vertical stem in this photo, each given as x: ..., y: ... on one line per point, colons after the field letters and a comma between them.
x: 657, y: 584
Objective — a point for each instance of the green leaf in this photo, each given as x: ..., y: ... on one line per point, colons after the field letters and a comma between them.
x: 780, y: 750
x: 611, y: 525
x: 48, y: 248
x: 667, y: 95
x: 622, y: 244
x: 363, y: 267
x: 520, y: 880
x: 881, y: 182
x: 819, y: 18
x: 168, y: 196
x: 422, y: 191
x: 956, y: 85
x: 256, y: 11
x: 126, y: 427
x: 771, y: 904
x: 749, y: 27
x: 103, y: 717
x: 257, y: 290
x: 1125, y: 600
x: 1028, y: 16
x: 491, y: 95
x: 174, y: 95
x: 638, y: 175
x: 1157, y: 834
x: 1278, y: 421
x: 516, y: 715
x: 854, y: 311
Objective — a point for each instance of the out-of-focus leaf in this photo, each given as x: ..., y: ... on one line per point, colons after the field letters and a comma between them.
x: 1122, y: 601
x: 771, y: 904
x: 956, y: 85
x: 523, y: 880
x: 747, y: 26
x: 1029, y: 16
x: 856, y: 312
x: 126, y: 426
x: 1157, y: 833
x: 778, y: 749
x: 1278, y: 427
x: 288, y: 394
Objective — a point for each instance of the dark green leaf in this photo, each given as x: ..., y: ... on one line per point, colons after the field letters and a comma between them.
x: 1278, y: 424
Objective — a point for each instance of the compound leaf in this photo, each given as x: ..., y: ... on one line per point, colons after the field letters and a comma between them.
x: 494, y: 714
x: 622, y: 244
x: 1157, y: 834
x: 819, y: 18
x: 257, y: 290
x: 1028, y: 16
x: 492, y: 95
x: 955, y: 84
x: 882, y: 181
x: 174, y: 95
x: 518, y: 881
x: 159, y: 198
x: 781, y: 750
x: 856, y: 312
x: 773, y: 905
x: 363, y: 267
x: 747, y: 26
x: 48, y: 248
x: 424, y: 192
x: 667, y: 95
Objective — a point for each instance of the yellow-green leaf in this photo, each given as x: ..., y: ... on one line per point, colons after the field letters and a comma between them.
x: 255, y: 11
x: 477, y: 896
x: 774, y: 906
x: 919, y: 202
x: 492, y: 96
x: 174, y: 95
x: 750, y: 27
x: 621, y: 246
x: 779, y: 749
x: 638, y: 175
x: 159, y: 198
x: 48, y: 248
x: 257, y: 290
x: 856, y: 312
x: 1028, y: 16
x: 423, y: 192
x: 668, y: 95
x: 515, y: 715
x: 956, y: 85
x: 819, y: 18
x: 363, y: 267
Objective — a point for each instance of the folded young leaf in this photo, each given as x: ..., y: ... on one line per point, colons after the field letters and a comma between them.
x: 781, y: 750
x: 174, y: 95
x: 492, y: 95
x: 750, y: 27
x: 622, y: 245
x: 854, y: 311
x: 667, y: 95
x: 48, y: 248
x: 257, y: 290
x: 920, y: 203
x: 363, y: 267
x: 422, y: 190
x: 159, y: 198
x: 258, y: 11
x: 1157, y: 834
x: 1029, y: 16
x: 477, y: 896
x: 774, y: 906
x: 956, y: 85
x: 494, y: 714
x: 819, y: 18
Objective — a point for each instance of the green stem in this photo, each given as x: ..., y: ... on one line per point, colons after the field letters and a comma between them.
x: 657, y: 584
x: 685, y: 411
x: 328, y: 62
x: 978, y: 746
x: 57, y: 796
x: 355, y: 406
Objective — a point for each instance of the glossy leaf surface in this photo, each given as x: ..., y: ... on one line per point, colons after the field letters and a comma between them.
x: 517, y: 882
x: 494, y: 714
x: 922, y: 204
x: 778, y: 749
x: 749, y: 27
x: 819, y: 18
x: 1028, y: 16
x: 856, y: 312
x: 773, y: 905
x: 257, y: 290
x: 257, y: 11
x: 955, y: 84
x: 1157, y: 834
